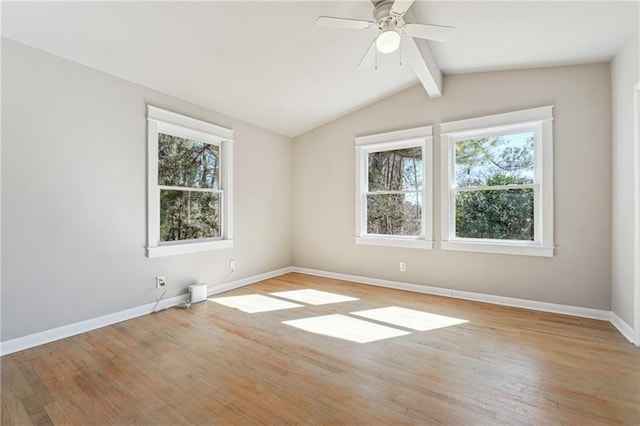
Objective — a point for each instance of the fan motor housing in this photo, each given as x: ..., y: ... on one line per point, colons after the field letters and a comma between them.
x: 382, y: 15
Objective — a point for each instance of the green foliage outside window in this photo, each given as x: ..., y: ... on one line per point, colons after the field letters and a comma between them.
x: 500, y: 213
x: 188, y: 163
x: 186, y: 214
x: 505, y: 214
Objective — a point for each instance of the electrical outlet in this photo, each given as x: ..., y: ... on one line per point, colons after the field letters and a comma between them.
x: 403, y: 267
x: 232, y: 264
x: 161, y: 282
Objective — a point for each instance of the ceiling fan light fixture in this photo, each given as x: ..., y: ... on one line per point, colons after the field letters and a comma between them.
x: 388, y: 41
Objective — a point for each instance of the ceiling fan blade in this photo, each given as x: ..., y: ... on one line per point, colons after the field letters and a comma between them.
x: 428, y: 32
x: 368, y: 59
x: 399, y: 7
x: 330, y: 22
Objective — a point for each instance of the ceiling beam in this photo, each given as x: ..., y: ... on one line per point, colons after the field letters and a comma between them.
x: 421, y: 58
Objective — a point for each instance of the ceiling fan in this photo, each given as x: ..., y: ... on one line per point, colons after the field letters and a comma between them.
x: 388, y: 19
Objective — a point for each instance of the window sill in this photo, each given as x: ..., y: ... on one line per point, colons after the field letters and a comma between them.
x: 395, y: 242
x: 184, y: 248
x: 498, y: 248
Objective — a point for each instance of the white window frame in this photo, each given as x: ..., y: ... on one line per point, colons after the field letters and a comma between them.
x: 418, y: 137
x: 540, y: 122
x: 167, y: 122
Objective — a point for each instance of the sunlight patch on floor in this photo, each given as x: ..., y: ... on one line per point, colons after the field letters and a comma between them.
x: 313, y: 297
x: 253, y: 303
x: 346, y: 328
x: 409, y: 318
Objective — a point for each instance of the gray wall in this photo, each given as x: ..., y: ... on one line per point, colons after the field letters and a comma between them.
x: 73, y: 196
x: 74, y: 182
x: 580, y: 272
x: 625, y: 74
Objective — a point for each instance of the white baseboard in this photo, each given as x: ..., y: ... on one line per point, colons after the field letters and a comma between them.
x: 21, y: 343
x: 36, y: 339
x: 625, y: 329
x: 467, y: 295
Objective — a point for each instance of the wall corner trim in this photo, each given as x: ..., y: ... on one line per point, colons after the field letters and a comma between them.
x: 29, y: 341
x: 625, y: 329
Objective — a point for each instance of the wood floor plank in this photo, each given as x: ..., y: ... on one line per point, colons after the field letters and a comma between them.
x: 13, y: 412
x: 212, y: 364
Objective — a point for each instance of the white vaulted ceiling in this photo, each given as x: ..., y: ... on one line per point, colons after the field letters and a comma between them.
x: 266, y: 62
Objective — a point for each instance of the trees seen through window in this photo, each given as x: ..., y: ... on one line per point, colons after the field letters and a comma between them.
x: 188, y: 178
x: 494, y: 187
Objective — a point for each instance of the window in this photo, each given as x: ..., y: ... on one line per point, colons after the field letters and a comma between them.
x: 189, y: 184
x: 497, y: 193
x: 394, y: 189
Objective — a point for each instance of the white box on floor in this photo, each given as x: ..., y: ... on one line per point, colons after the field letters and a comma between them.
x: 198, y: 292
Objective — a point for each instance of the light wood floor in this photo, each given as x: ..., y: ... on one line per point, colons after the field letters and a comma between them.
x: 215, y: 365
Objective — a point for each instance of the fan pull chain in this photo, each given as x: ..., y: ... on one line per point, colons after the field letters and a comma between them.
x: 400, y: 53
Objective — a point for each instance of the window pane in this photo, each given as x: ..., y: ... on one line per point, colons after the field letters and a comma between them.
x: 187, y: 162
x: 497, y: 160
x: 187, y: 215
x: 496, y: 214
x: 397, y: 170
x: 394, y: 214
